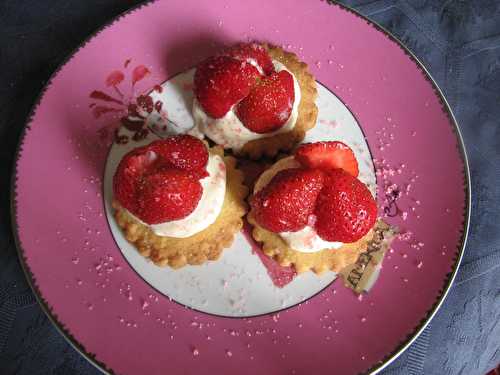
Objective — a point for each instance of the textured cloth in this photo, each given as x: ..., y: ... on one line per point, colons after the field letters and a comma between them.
x: 458, y: 41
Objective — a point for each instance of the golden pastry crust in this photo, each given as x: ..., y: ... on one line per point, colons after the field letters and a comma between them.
x: 308, y: 111
x: 202, y: 246
x: 274, y: 246
x: 319, y: 262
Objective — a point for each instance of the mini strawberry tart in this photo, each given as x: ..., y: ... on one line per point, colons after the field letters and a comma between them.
x: 255, y: 99
x: 310, y: 210
x: 179, y: 202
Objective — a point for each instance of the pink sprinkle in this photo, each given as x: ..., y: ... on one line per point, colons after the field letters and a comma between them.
x: 420, y: 264
x: 229, y: 353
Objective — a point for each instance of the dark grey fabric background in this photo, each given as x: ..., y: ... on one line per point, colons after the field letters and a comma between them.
x: 458, y: 40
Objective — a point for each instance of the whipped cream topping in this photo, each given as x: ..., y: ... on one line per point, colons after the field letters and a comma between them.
x: 229, y: 131
x: 208, y: 208
x: 305, y: 240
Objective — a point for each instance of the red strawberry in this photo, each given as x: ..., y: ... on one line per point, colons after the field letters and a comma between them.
x: 286, y: 203
x: 130, y: 170
x: 183, y: 152
x: 254, y: 51
x: 166, y: 195
x: 327, y: 156
x: 345, y: 208
x: 222, y: 81
x: 269, y: 104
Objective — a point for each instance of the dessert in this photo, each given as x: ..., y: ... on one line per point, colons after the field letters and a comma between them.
x: 179, y: 202
x: 255, y: 99
x: 309, y: 210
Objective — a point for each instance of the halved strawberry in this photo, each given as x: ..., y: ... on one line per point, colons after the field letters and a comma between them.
x: 285, y: 204
x: 345, y: 209
x: 183, y: 152
x: 252, y: 51
x: 130, y: 170
x: 222, y: 81
x: 166, y: 195
x: 269, y: 104
x: 327, y: 156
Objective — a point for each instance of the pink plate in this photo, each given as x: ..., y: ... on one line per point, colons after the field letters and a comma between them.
x: 103, y: 304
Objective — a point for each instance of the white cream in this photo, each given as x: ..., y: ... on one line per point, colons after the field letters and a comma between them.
x: 229, y: 131
x: 208, y: 208
x: 305, y: 240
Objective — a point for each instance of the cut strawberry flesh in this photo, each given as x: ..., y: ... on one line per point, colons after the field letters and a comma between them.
x: 167, y: 195
x: 254, y: 53
x: 345, y: 208
x: 222, y: 81
x: 328, y: 156
x: 183, y: 159
x: 285, y: 204
x: 183, y: 152
x: 269, y: 104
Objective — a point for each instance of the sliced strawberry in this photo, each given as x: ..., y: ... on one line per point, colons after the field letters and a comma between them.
x: 166, y: 195
x: 286, y: 203
x: 222, y: 81
x: 327, y: 156
x: 183, y: 152
x: 130, y: 170
x: 269, y: 104
x: 345, y: 209
x: 252, y: 51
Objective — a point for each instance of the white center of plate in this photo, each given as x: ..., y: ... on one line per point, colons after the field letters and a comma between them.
x: 236, y: 285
